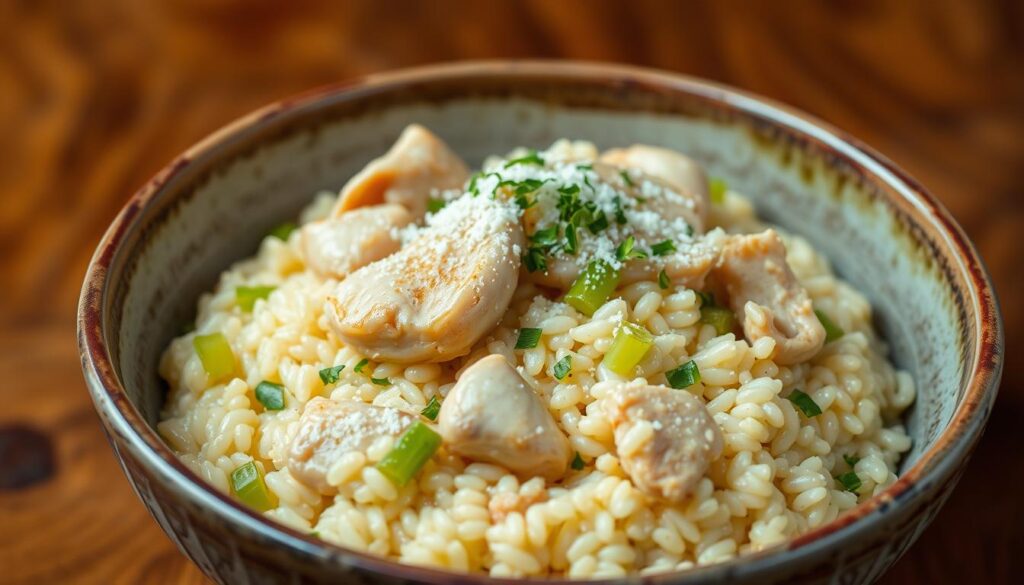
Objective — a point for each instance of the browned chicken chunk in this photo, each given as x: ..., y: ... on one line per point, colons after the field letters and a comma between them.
x: 664, y: 438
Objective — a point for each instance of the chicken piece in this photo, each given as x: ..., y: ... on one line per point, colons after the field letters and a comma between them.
x: 664, y: 438
x: 337, y: 246
x: 329, y: 429
x: 681, y: 172
x: 434, y: 298
x: 492, y: 414
x: 767, y: 298
x: 417, y: 163
x: 664, y: 214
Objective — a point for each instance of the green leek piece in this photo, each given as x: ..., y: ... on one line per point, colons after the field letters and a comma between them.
x: 215, y: 353
x: 414, y: 448
x: 592, y: 287
x: 805, y: 403
x: 630, y: 345
x: 248, y: 485
x: 246, y: 296
x: 684, y: 376
x: 716, y: 190
x: 431, y: 410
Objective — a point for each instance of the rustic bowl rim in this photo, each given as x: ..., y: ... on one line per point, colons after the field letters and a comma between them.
x: 954, y: 444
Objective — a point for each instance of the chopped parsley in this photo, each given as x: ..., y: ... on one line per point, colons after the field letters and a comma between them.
x: 432, y: 408
x: 284, y: 230
x: 534, y: 259
x: 435, y: 204
x: 627, y: 250
x: 599, y: 224
x: 585, y: 166
x: 528, y: 338
x: 625, y: 178
x: 851, y: 460
x: 572, y: 245
x: 270, y: 395
x: 362, y: 364
x: 706, y: 299
x: 663, y: 281
x: 545, y: 237
x: 850, y: 481
x: 832, y: 331
x: 562, y: 367
x: 620, y: 216
x: 331, y: 375
x: 662, y: 248
x: 533, y: 158
x: 380, y: 381
x: 684, y: 376
x: 577, y: 462
x: 805, y: 403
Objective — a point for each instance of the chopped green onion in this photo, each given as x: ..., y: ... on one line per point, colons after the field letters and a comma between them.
x: 585, y: 167
x: 662, y: 248
x: 592, y: 287
x: 435, y: 204
x: 270, y: 395
x: 706, y: 299
x: 631, y: 344
x: 380, y: 381
x: 805, y: 403
x: 362, y: 364
x: 284, y: 230
x: 472, y: 187
x: 562, y: 367
x: 215, y: 354
x: 832, y: 331
x: 850, y: 481
x: 528, y: 338
x: 684, y: 376
x: 331, y: 375
x: 663, y: 281
x: 246, y: 296
x: 577, y: 462
x: 530, y: 159
x: 716, y: 190
x: 534, y: 259
x: 627, y: 250
x: 625, y: 178
x: 545, y: 237
x: 248, y: 485
x: 720, y: 318
x: 431, y: 409
x: 851, y: 460
x: 412, y: 451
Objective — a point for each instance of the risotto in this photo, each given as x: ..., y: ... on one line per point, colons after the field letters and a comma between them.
x: 570, y: 363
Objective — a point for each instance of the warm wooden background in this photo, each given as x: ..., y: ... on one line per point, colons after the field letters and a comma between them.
x: 95, y: 96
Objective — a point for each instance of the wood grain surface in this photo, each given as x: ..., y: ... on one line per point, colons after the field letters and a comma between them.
x: 95, y: 96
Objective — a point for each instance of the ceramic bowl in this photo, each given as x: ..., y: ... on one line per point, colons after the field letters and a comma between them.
x: 883, y: 232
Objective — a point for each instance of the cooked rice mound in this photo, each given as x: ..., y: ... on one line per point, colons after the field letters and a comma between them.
x: 775, y: 478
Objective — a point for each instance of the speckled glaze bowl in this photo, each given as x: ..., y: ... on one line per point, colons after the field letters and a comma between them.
x: 883, y: 232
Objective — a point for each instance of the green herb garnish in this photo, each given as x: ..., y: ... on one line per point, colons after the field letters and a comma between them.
x: 662, y: 248
x: 562, y: 367
x: 832, y: 331
x: 716, y: 190
x: 626, y: 179
x: 577, y: 462
x: 663, y: 281
x: 851, y: 460
x: 284, y: 230
x: 627, y: 250
x: 431, y: 409
x: 270, y: 395
x: 530, y: 159
x: 362, y: 364
x: 684, y: 376
x: 528, y: 338
x: 850, y: 481
x: 331, y: 375
x: 435, y: 204
x: 545, y: 237
x: 620, y: 216
x: 380, y: 381
x: 534, y: 260
x: 805, y: 403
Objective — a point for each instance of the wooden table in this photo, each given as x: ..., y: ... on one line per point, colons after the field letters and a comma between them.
x: 95, y: 96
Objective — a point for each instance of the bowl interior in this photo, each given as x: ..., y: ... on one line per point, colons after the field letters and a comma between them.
x: 215, y: 205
